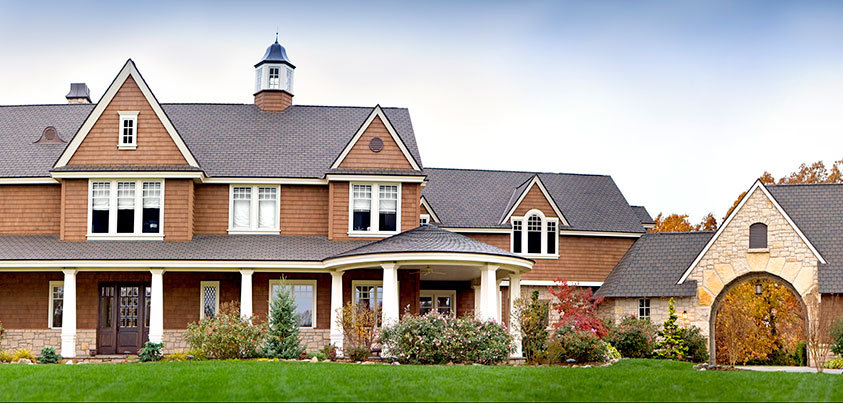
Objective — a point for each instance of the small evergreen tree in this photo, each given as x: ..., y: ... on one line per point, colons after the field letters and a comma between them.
x: 282, y: 340
x: 672, y: 345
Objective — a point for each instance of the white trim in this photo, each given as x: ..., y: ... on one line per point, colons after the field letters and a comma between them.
x: 28, y: 181
x: 648, y: 226
x: 536, y: 181
x: 756, y: 185
x: 126, y: 237
x: 309, y: 282
x: 127, y: 116
x: 50, y: 323
x: 202, y: 285
x: 478, y: 230
x: 127, y: 174
x: 254, y: 211
x: 434, y: 294
x: 524, y: 231
x: 374, y: 178
x: 226, y: 265
x: 600, y: 233
x: 374, y: 211
x: 512, y: 263
x: 128, y: 70
x: 424, y: 202
x: 424, y: 219
x: 550, y: 283
x: 265, y: 181
x: 377, y: 112
x: 138, y: 234
x: 373, y: 283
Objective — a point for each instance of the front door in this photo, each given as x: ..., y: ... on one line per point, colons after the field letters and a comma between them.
x: 123, y: 318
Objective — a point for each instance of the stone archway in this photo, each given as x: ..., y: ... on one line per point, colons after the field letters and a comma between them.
x: 715, y: 306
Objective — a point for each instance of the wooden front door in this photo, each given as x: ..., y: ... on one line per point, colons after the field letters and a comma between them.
x: 123, y: 318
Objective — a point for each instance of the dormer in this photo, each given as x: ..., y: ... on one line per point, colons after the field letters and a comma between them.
x: 274, y: 79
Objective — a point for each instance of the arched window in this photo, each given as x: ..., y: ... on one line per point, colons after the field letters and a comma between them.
x: 534, y: 234
x: 758, y: 236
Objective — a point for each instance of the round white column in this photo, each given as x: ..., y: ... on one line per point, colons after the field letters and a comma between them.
x: 246, y: 293
x: 336, y: 310
x: 68, y: 322
x: 156, y: 309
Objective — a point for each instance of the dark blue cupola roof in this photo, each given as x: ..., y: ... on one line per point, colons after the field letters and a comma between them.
x: 275, y: 53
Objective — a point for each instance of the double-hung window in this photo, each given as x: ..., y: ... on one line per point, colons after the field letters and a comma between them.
x: 275, y: 78
x: 254, y: 209
x: 128, y: 136
x: 441, y: 302
x: 303, y: 293
x: 56, y: 304
x: 375, y: 209
x: 535, y: 235
x: 644, y: 308
x: 125, y: 208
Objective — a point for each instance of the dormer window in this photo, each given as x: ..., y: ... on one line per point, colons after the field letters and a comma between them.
x: 128, y: 136
x: 381, y: 199
x: 274, y: 78
x: 125, y: 209
x: 535, y: 235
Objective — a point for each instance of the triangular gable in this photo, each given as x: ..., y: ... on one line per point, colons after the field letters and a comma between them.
x: 537, y: 183
x: 130, y: 78
x: 426, y: 206
x: 375, y: 124
x: 757, y: 185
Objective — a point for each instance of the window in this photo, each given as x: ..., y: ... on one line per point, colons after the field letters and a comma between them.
x: 384, y: 199
x: 128, y: 130
x: 56, y: 304
x: 125, y: 208
x: 275, y: 78
x: 758, y: 236
x: 439, y: 301
x: 537, y: 237
x: 258, y: 79
x: 424, y: 219
x: 644, y: 308
x: 368, y: 294
x: 254, y: 209
x: 516, y: 236
x: 209, y: 299
x: 551, y: 237
x: 304, y: 293
x: 534, y: 234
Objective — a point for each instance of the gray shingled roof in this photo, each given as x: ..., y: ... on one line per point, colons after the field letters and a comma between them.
x: 203, y: 247
x: 653, y: 266
x: 817, y: 210
x: 466, y: 198
x: 226, y: 139
x: 428, y: 238
x: 643, y: 215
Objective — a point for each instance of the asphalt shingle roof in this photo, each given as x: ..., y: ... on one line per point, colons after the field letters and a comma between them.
x: 653, y: 266
x: 643, y: 215
x: 466, y: 198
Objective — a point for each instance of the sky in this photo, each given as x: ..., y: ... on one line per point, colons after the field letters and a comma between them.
x: 683, y: 103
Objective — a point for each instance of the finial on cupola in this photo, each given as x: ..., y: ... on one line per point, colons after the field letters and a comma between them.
x: 274, y: 79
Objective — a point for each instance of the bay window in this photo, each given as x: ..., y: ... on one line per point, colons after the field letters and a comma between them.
x: 535, y: 235
x: 383, y: 200
x: 125, y: 208
x: 254, y: 209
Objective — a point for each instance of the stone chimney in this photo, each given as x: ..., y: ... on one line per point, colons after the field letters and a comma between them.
x: 79, y: 94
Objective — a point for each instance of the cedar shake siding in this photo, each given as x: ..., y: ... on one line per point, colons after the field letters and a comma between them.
x: 178, y: 210
x: 304, y: 210
x: 535, y: 200
x: 28, y: 293
x: 273, y: 100
x: 423, y: 210
x: 154, y: 144
x: 410, y: 194
x: 211, y: 209
x: 362, y: 157
x: 74, y: 211
x: 30, y: 209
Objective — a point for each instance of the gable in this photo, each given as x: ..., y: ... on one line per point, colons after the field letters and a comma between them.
x: 361, y: 155
x: 533, y: 195
x: 534, y: 200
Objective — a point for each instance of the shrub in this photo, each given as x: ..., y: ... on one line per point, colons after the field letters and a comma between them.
x: 227, y: 335
x: 580, y: 345
x: 151, y: 352
x: 439, y: 339
x: 834, y: 363
x: 697, y: 344
x: 612, y: 353
x: 671, y: 346
x: 329, y: 351
x: 531, y: 319
x: 22, y: 353
x: 633, y: 337
x: 836, y: 337
x: 577, y: 307
x: 282, y: 339
x: 319, y: 356
x: 2, y: 332
x: 5, y: 356
x: 48, y: 356
x: 359, y: 327
x: 357, y: 353
x: 197, y: 355
x: 801, y: 354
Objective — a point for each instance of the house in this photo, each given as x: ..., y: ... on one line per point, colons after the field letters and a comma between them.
x: 124, y: 220
x: 786, y: 233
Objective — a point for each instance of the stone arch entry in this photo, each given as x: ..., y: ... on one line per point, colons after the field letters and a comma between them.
x: 715, y: 306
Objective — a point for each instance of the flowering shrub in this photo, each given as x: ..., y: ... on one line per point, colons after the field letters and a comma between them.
x: 633, y: 337
x: 577, y: 307
x: 580, y: 345
x: 531, y: 319
x: 439, y: 339
x: 226, y: 335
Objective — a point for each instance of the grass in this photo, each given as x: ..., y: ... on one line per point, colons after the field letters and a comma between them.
x: 629, y: 380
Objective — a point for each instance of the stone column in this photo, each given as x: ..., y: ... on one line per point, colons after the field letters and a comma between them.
x: 514, y: 293
x: 68, y: 322
x: 156, y: 309
x: 336, y: 309
x: 390, y: 293
x: 246, y: 293
x: 488, y: 295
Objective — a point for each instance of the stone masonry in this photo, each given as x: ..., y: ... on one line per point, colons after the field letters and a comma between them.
x: 36, y: 339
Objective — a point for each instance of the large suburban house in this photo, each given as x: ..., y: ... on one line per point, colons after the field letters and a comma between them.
x: 124, y: 220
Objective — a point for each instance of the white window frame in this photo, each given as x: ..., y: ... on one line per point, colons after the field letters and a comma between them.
x: 269, y: 77
x: 648, y: 308
x: 202, y: 285
x: 375, y: 211
x: 112, y: 234
x: 253, y: 211
x: 440, y: 293
x: 294, y: 282
x: 133, y: 116
x: 424, y: 219
x: 545, y: 220
x: 50, y: 323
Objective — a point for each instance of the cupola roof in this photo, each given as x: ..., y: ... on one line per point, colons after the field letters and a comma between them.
x: 275, y: 53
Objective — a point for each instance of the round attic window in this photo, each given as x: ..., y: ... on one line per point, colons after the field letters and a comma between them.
x: 376, y: 144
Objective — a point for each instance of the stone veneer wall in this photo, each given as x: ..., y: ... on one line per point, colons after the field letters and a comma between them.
x: 620, y: 308
x: 36, y: 339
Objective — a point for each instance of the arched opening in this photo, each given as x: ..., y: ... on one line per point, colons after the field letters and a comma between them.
x: 758, y: 319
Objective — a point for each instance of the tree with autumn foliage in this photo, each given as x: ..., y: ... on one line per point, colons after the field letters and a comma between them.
x: 680, y: 223
x: 577, y: 308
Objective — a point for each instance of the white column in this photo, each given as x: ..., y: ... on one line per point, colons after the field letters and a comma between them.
x: 476, y: 301
x: 514, y: 293
x: 336, y: 310
x: 488, y: 295
x: 156, y: 309
x: 68, y: 322
x: 499, y: 310
x: 390, y: 293
x: 246, y: 293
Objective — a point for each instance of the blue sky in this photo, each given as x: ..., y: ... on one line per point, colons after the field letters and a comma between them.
x: 683, y: 103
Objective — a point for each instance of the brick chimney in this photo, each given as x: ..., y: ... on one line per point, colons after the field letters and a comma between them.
x: 79, y: 94
x: 274, y: 79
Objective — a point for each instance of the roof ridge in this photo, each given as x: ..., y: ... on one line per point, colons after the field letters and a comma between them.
x: 680, y: 233
x: 520, y: 172
x: 348, y: 106
x: 803, y: 184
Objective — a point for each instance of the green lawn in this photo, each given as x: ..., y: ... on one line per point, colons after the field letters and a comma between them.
x: 647, y: 380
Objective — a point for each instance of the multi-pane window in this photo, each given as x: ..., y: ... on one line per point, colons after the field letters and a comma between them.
x: 438, y: 301
x: 379, y: 198
x: 551, y: 237
x: 537, y: 236
x: 516, y: 235
x: 254, y: 209
x: 128, y: 130
x: 275, y: 77
x: 534, y: 234
x: 209, y: 298
x: 56, y: 303
x: 126, y: 207
x: 129, y: 304
x: 304, y: 294
x: 369, y: 295
x: 644, y: 308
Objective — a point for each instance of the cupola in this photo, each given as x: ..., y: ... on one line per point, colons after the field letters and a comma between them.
x: 274, y: 79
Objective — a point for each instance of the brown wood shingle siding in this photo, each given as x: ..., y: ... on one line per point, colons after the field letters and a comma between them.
x: 304, y: 210
x: 155, y: 146
x: 362, y: 157
x: 74, y: 207
x: 410, y: 195
x: 178, y: 210
x: 211, y: 209
x: 535, y: 200
x: 30, y: 209
x: 25, y: 299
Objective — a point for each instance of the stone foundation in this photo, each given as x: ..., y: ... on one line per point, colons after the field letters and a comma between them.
x: 36, y: 339
x: 315, y: 339
x: 174, y: 341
